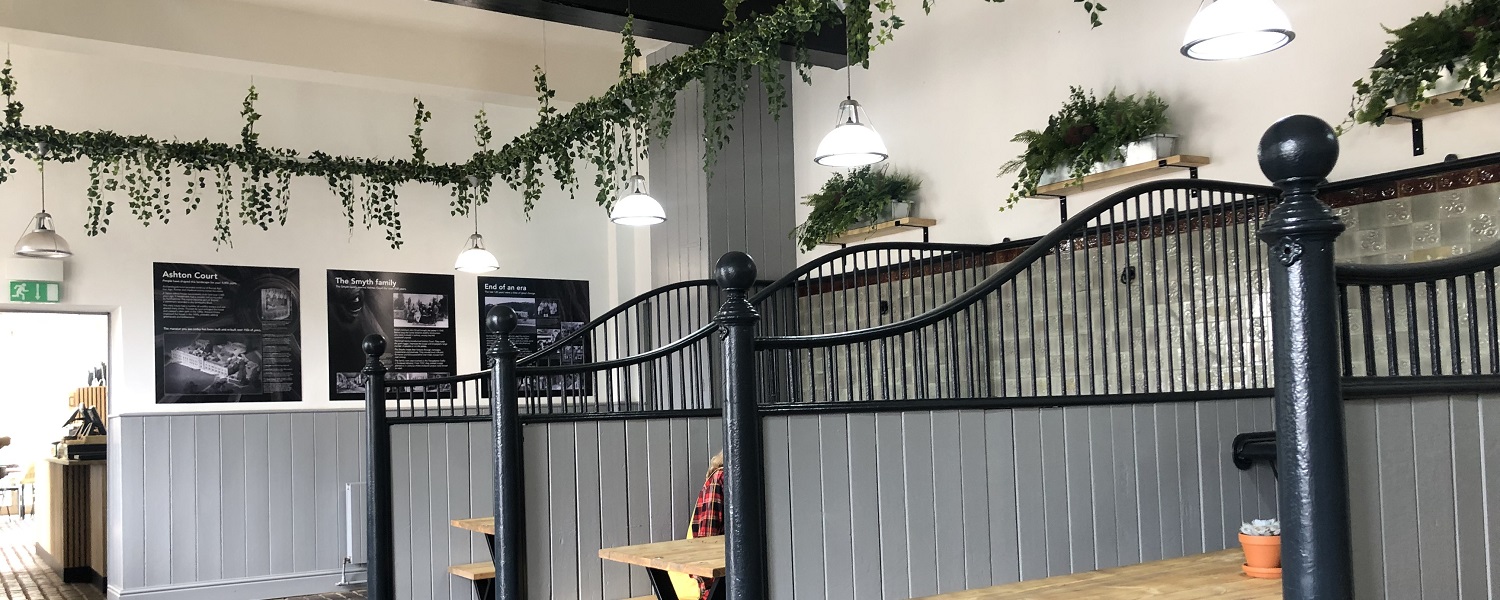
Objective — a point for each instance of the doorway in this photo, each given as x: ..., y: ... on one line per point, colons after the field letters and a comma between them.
x: 44, y: 358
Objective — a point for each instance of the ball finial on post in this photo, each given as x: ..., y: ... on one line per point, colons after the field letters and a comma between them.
x: 501, y: 319
x: 1298, y: 149
x: 735, y: 271
x: 374, y: 346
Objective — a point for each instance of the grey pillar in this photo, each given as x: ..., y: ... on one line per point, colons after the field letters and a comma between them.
x: 1297, y: 154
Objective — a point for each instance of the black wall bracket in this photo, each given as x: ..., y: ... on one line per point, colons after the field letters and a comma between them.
x: 1250, y: 448
x: 1418, y: 135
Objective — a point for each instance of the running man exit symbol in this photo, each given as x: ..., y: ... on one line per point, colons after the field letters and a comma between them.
x: 35, y: 291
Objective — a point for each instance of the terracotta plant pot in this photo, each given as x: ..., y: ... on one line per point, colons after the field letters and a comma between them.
x: 1262, y: 551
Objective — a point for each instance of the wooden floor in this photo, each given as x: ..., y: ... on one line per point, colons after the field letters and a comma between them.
x: 1215, y: 576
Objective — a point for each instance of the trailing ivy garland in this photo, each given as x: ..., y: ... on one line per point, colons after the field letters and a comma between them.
x: 251, y: 181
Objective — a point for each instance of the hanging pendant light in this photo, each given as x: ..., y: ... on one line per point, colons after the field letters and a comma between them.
x: 41, y: 239
x: 474, y: 258
x: 1229, y: 29
x: 637, y: 208
x: 853, y: 142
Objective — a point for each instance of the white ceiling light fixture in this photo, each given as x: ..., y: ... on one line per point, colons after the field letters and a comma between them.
x: 41, y: 239
x: 1230, y: 29
x: 853, y: 142
x: 637, y: 208
x: 474, y: 258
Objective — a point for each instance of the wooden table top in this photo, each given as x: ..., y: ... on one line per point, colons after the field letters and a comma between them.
x: 1215, y: 575
x: 701, y: 557
x: 485, y: 525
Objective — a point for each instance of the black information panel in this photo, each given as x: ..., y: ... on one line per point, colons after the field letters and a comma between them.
x: 550, y: 309
x: 227, y: 334
x: 412, y: 311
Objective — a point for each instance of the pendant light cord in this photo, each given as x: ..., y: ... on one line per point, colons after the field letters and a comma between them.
x: 42, y: 168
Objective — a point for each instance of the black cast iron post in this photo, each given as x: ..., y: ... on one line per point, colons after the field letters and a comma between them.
x: 380, y: 549
x: 510, y: 495
x: 744, y: 479
x: 1297, y: 154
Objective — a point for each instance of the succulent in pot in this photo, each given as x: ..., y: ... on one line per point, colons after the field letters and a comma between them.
x: 1261, y: 540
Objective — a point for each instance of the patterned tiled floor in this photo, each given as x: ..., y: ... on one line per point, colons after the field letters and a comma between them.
x: 22, y: 574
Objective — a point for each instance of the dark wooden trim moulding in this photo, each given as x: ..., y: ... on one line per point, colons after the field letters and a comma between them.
x: 1438, y: 177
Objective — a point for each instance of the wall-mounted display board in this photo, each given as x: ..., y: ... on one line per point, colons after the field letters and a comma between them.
x: 412, y: 311
x: 227, y: 334
x: 549, y: 310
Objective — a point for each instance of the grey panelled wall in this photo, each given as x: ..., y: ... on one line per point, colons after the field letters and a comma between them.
x: 746, y: 203
x: 895, y: 505
x: 1424, y: 477
x: 884, y: 505
x: 250, y: 505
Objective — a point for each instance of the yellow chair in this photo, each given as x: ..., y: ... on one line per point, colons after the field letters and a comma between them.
x: 686, y: 585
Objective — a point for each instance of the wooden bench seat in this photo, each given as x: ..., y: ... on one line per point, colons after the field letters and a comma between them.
x: 479, y: 571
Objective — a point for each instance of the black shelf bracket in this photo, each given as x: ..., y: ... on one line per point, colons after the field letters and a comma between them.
x: 926, y: 234
x: 1418, y: 135
x: 1062, y: 204
x: 1192, y: 173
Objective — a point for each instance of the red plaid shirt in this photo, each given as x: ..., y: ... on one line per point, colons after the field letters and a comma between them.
x: 708, y: 518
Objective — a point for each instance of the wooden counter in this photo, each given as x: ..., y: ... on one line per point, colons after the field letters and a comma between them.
x: 70, y: 502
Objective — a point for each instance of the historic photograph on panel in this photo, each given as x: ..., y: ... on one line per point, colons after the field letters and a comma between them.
x: 420, y: 310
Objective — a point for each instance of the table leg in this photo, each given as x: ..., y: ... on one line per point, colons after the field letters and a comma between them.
x: 489, y: 542
x: 484, y: 589
x: 717, y: 591
x: 661, y: 583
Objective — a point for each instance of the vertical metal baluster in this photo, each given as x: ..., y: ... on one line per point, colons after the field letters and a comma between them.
x: 1391, y: 363
x: 1454, y: 336
x: 1158, y: 265
x: 1135, y: 363
x: 1099, y: 354
x: 1046, y: 326
x: 1015, y: 318
x: 1489, y: 303
x: 1212, y: 271
x: 1411, y: 328
x: 1347, y: 336
x: 1114, y: 286
x: 1192, y: 249
x: 1365, y: 319
x: 1435, y: 333
x: 1234, y: 272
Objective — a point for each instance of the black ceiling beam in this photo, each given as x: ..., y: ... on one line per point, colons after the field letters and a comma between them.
x: 681, y: 21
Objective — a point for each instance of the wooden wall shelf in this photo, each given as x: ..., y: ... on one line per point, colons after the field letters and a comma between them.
x: 1437, y: 106
x: 882, y: 229
x: 1122, y: 175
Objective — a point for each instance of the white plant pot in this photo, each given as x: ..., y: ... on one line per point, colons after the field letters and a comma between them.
x: 898, y: 210
x: 1148, y: 149
x: 1448, y: 83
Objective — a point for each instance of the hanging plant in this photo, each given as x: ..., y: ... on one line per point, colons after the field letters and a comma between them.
x: 1085, y: 131
x: 1461, y: 43
x: 251, y: 181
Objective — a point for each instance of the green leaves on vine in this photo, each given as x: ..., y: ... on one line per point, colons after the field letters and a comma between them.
x: 419, y: 151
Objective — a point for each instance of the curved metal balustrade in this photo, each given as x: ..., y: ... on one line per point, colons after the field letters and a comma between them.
x: 1157, y: 289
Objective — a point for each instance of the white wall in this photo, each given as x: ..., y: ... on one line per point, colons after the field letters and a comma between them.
x: 953, y: 87
x: 565, y: 239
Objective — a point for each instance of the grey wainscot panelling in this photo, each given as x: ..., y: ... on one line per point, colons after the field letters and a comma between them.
x: 251, y: 505
x: 882, y: 505
x: 895, y: 505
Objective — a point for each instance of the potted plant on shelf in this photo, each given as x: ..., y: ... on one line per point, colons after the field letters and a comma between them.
x: 862, y: 196
x: 1451, y: 52
x: 1261, y: 540
x: 1090, y: 135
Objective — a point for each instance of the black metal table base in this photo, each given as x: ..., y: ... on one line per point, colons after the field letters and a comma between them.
x: 661, y: 583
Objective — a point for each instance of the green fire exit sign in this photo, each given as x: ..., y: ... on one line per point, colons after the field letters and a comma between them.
x: 35, y: 291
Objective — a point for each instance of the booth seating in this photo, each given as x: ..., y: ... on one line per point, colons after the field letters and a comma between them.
x: 702, y: 557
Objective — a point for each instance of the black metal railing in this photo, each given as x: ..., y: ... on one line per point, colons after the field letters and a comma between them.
x: 1157, y: 289
x: 1436, y: 318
